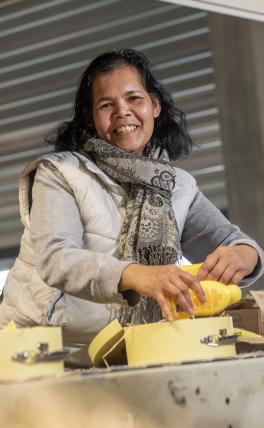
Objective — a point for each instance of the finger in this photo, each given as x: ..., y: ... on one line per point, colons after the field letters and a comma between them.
x: 218, y: 270
x: 228, y: 274
x: 181, y: 295
x: 208, y: 265
x: 164, y: 307
x: 237, y: 278
x: 184, y: 289
x: 195, y: 285
x: 176, y: 287
x: 172, y: 306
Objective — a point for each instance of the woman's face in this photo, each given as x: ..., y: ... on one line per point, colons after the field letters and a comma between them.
x: 123, y: 111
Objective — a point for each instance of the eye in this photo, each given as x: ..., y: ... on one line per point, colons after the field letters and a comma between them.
x: 105, y: 106
x: 134, y: 98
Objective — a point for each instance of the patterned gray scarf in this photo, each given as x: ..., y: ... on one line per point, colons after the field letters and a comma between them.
x: 149, y: 234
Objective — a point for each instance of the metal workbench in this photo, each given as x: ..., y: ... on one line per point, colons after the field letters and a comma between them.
x: 226, y: 394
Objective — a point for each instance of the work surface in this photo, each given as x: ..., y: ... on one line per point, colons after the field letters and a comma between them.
x: 215, y: 394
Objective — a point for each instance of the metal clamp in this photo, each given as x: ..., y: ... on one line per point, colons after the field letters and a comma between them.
x: 33, y: 357
x: 221, y: 339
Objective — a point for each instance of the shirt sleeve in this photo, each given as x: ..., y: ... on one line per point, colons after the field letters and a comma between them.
x: 206, y: 228
x: 56, y: 233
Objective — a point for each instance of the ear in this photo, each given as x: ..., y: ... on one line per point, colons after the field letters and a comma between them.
x: 157, y: 107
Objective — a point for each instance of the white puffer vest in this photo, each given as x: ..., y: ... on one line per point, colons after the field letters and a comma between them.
x: 101, y: 203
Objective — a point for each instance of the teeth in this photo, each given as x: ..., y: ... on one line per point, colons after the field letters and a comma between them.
x: 127, y: 128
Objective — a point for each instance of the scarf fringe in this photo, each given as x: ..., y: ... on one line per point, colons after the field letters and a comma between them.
x: 146, y: 311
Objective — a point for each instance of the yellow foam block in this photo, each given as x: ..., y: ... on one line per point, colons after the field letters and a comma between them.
x: 15, y: 340
x: 163, y: 342
x: 180, y: 340
x: 108, y: 338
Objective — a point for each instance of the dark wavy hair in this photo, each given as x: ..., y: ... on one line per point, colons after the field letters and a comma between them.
x: 170, y: 127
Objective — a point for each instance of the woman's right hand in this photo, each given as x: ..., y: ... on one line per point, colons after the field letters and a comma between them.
x: 161, y: 282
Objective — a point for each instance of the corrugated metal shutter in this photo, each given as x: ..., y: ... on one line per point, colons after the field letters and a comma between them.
x: 45, y: 45
x: 243, y: 8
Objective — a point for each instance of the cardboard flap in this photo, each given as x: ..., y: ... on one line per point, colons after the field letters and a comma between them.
x: 258, y: 296
x: 246, y: 302
x: 254, y: 299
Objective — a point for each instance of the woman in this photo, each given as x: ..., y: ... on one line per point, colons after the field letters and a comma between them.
x: 108, y: 215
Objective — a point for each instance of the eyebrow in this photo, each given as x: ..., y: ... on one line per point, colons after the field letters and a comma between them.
x: 102, y: 99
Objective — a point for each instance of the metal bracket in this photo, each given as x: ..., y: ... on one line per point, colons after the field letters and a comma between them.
x: 221, y: 339
x: 33, y: 357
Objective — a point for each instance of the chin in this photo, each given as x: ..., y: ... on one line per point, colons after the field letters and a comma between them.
x: 130, y: 148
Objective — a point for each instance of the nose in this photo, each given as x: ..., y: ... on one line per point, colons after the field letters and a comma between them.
x: 121, y: 109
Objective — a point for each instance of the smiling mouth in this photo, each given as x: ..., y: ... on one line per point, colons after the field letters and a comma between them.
x: 128, y: 129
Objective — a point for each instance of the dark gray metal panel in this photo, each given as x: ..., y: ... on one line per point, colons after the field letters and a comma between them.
x: 238, y: 43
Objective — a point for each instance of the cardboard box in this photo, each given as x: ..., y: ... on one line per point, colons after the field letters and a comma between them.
x: 248, y: 314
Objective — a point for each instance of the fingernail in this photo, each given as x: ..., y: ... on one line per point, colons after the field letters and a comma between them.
x: 190, y: 310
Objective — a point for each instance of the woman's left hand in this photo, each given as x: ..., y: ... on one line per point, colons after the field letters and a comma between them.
x: 229, y: 264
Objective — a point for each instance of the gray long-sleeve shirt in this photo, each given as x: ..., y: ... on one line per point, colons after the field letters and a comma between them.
x: 204, y: 229
x: 67, y: 273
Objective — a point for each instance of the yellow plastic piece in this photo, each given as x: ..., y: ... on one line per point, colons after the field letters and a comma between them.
x: 15, y: 340
x: 247, y: 334
x: 218, y: 297
x: 250, y: 338
x: 163, y: 342
x: 192, y: 269
x: 11, y: 326
x: 104, y: 341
